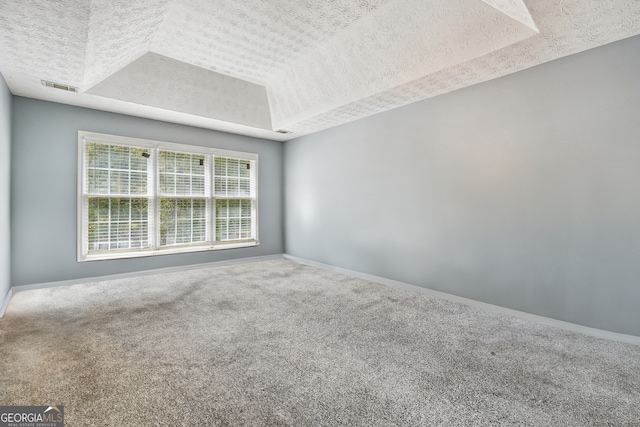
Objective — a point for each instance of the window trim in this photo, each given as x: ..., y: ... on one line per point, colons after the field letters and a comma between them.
x: 83, y: 254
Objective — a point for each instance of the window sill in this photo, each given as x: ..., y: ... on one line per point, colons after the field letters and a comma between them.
x: 103, y: 256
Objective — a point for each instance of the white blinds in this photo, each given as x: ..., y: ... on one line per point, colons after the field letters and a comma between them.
x: 184, y: 187
x: 234, y: 219
x: 183, y: 174
x: 183, y: 221
x: 117, y: 223
x: 234, y: 177
x: 116, y: 170
x: 116, y: 199
x: 234, y: 189
x: 140, y: 197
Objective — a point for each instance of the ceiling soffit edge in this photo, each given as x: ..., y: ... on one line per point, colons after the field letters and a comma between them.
x: 397, y: 44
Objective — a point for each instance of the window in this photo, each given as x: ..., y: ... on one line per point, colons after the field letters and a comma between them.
x: 140, y: 198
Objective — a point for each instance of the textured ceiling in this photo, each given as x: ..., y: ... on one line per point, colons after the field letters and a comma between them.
x: 255, y: 66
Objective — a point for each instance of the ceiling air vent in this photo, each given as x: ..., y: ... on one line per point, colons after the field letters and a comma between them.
x: 59, y: 86
x: 284, y: 132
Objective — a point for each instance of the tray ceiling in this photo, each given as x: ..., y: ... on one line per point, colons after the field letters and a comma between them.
x: 254, y: 67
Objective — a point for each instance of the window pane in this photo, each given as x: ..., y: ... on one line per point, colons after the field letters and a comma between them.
x: 138, y: 183
x: 183, y: 185
x: 167, y: 161
x: 232, y: 186
x: 138, y: 159
x: 244, y: 187
x: 221, y: 186
x: 197, y: 164
x: 117, y: 223
x: 182, y: 174
x: 139, y: 210
x: 222, y: 232
x: 197, y: 185
x: 119, y: 157
x: 114, y: 169
x: 182, y: 221
x: 119, y: 182
x: 234, y: 229
x: 97, y: 155
x: 234, y: 208
x: 120, y: 209
x: 245, y: 168
x: 98, y: 181
x: 233, y: 177
x: 167, y: 183
x: 183, y: 163
x: 199, y: 230
x: 234, y: 219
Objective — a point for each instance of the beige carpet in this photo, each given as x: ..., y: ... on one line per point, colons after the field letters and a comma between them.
x: 274, y: 343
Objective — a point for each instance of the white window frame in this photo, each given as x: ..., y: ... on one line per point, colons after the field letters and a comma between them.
x: 154, y: 197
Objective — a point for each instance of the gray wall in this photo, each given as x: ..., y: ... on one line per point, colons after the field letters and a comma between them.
x: 5, y: 194
x: 522, y: 192
x: 44, y: 195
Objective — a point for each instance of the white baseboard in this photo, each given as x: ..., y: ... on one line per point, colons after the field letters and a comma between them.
x: 598, y: 333
x: 165, y: 270
x: 5, y: 302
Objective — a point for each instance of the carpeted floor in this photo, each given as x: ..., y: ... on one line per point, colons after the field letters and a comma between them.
x: 275, y: 343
